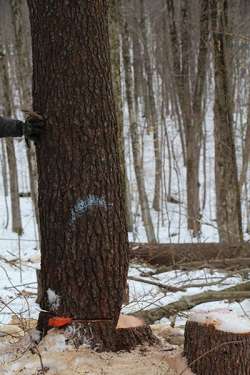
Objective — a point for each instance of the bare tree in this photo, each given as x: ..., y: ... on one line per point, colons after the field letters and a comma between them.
x: 10, y: 147
x: 138, y: 165
x: 190, y: 103
x: 228, y: 207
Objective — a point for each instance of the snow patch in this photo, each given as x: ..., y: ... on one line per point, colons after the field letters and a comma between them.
x: 35, y: 335
x: 53, y: 298
x: 222, y: 320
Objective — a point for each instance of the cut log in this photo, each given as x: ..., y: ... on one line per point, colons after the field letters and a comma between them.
x: 177, y: 254
x: 218, y: 343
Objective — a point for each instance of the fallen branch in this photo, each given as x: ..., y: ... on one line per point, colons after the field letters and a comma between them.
x: 175, y: 255
x: 234, y: 293
x: 167, y: 288
x: 182, y: 288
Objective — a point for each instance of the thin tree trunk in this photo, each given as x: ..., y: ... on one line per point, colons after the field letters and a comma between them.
x: 153, y: 111
x: 137, y: 62
x: 228, y: 207
x: 114, y: 36
x: 24, y: 71
x: 190, y: 107
x: 246, y: 150
x: 4, y: 168
x: 146, y: 217
x: 194, y: 135
x: 10, y: 148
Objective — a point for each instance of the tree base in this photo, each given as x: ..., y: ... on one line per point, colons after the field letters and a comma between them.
x: 210, y: 351
x: 101, y: 335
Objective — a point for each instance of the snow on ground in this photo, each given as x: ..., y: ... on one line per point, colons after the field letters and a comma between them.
x: 222, y: 320
x: 58, y: 358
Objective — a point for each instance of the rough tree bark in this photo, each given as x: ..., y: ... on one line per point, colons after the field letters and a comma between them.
x: 84, y: 248
x: 228, y: 207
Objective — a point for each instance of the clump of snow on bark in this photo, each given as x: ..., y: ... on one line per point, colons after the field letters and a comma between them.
x: 53, y: 298
x: 35, y: 335
x: 222, y: 320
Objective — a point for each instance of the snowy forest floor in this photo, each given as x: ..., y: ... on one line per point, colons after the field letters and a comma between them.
x: 60, y: 359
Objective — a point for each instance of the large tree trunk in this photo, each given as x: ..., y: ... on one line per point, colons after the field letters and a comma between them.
x: 84, y: 244
x: 228, y: 207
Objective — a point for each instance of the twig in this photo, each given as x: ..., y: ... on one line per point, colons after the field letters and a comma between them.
x: 35, y: 350
x: 168, y: 288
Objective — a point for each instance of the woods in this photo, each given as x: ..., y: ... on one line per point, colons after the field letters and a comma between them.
x: 141, y: 172
x: 166, y: 77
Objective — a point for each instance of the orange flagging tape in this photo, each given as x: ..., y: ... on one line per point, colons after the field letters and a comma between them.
x: 59, y: 321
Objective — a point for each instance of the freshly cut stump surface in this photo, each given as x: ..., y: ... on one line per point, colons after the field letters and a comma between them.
x: 218, y: 343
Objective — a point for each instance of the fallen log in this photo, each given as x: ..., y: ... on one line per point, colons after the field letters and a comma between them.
x: 235, y: 293
x: 217, y: 343
x: 175, y: 255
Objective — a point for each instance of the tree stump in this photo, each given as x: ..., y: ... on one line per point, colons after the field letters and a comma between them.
x: 218, y: 343
x: 102, y: 335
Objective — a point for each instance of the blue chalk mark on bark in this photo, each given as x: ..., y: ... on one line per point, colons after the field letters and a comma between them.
x: 82, y: 206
